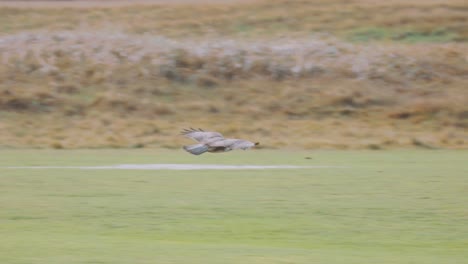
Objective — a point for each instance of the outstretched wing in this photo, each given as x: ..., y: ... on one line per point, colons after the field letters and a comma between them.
x: 233, y: 143
x: 201, y: 136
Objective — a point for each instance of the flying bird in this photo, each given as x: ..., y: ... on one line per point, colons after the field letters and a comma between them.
x: 213, y: 142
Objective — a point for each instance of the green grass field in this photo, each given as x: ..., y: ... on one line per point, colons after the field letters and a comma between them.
x: 404, y: 206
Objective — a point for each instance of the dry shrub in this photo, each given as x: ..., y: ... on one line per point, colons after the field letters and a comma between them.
x: 126, y: 105
x: 161, y: 110
x: 181, y: 58
x: 56, y: 145
x: 36, y: 102
x: 463, y: 115
x: 87, y: 58
x: 116, y: 104
x: 67, y: 89
x: 207, y: 81
x: 424, y: 109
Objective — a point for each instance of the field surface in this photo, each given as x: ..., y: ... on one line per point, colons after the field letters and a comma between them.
x: 367, y: 207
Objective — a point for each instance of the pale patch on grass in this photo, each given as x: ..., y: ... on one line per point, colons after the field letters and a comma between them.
x: 172, y: 167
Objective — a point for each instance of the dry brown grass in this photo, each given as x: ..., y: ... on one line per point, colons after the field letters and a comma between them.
x: 133, y: 76
x: 47, y: 4
x: 418, y: 20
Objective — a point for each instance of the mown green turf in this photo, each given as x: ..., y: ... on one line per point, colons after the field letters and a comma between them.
x: 382, y: 207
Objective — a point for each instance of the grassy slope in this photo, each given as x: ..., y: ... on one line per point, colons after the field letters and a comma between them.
x: 333, y: 74
x: 386, y: 207
x: 419, y: 20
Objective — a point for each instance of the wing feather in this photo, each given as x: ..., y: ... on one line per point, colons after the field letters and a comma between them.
x: 201, y: 136
x: 233, y: 143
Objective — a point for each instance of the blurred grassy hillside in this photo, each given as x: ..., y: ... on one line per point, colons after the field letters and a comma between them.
x: 298, y: 74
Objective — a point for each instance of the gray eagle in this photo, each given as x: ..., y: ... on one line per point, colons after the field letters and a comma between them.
x: 213, y: 142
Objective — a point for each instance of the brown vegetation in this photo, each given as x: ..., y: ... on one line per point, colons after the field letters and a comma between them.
x: 135, y: 84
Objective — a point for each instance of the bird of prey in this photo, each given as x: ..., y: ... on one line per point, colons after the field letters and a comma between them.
x: 213, y: 142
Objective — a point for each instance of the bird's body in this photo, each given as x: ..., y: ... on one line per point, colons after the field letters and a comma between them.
x: 213, y: 142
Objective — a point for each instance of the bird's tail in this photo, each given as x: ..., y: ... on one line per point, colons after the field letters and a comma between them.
x: 196, y: 149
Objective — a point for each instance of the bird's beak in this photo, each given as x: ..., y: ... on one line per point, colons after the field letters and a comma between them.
x: 257, y: 143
